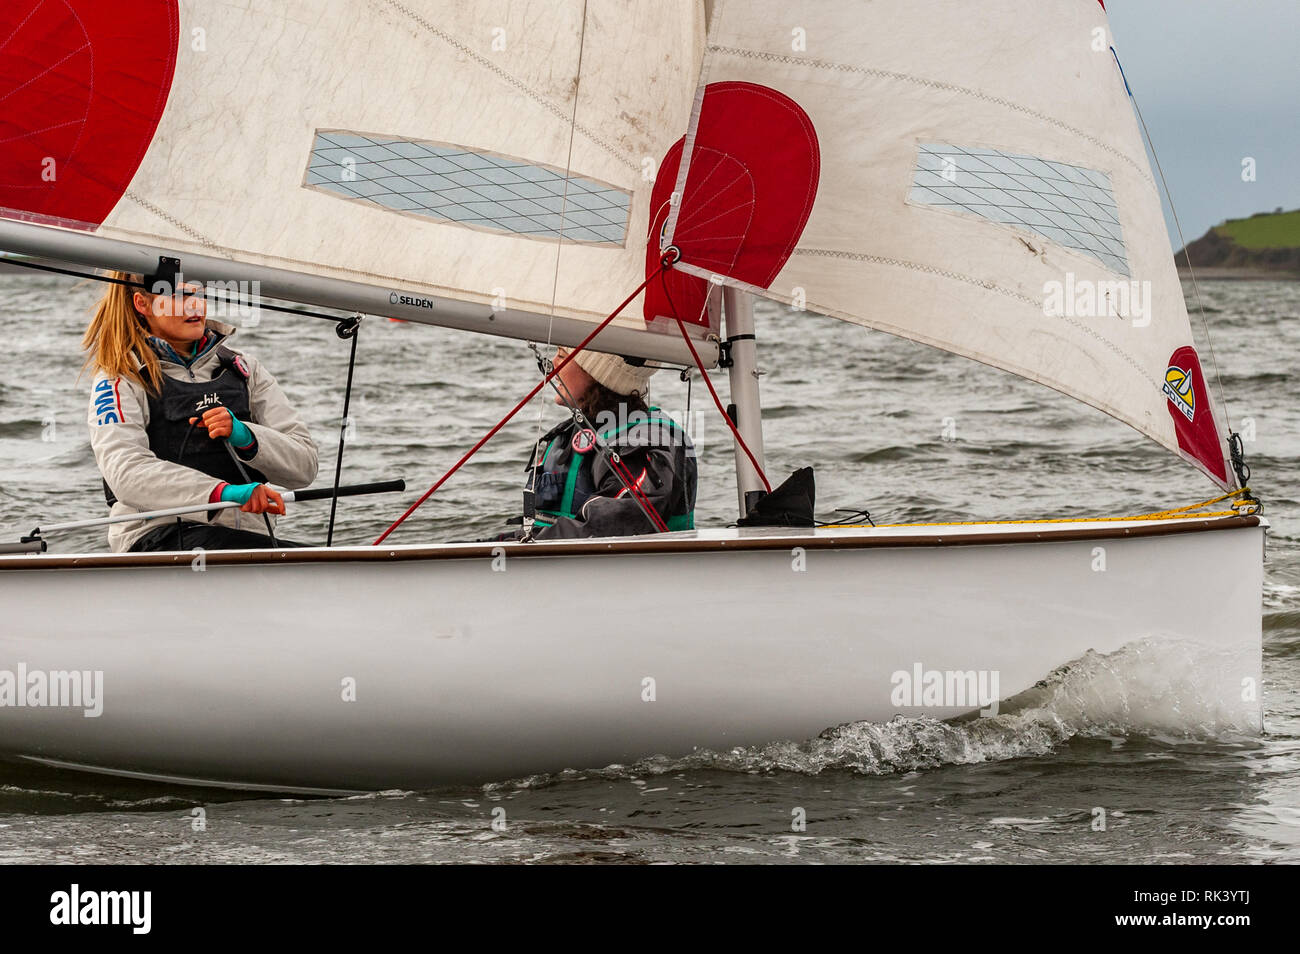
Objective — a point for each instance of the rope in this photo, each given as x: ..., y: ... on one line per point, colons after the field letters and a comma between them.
x: 717, y: 402
x: 721, y: 410
x: 353, y: 331
x: 628, y: 481
x: 239, y: 466
x: 664, y: 263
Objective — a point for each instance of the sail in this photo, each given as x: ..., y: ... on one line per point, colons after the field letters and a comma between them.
x: 971, y: 176
x: 488, y: 151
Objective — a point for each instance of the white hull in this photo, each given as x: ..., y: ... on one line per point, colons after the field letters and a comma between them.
x: 235, y: 675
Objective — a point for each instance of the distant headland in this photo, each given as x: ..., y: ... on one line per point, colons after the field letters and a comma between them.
x: 1266, y: 245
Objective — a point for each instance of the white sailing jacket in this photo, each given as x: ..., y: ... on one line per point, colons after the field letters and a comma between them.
x: 118, y: 419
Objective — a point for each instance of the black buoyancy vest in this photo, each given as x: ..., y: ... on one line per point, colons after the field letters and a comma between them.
x: 562, y: 483
x: 173, y: 438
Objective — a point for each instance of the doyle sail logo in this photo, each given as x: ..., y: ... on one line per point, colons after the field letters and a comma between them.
x: 414, y: 301
x: 1178, y: 388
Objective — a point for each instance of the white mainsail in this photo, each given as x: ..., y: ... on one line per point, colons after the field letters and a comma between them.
x: 983, y: 188
x: 969, y: 176
x: 413, y: 145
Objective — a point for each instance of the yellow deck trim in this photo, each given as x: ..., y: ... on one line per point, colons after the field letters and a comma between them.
x: 1191, y: 511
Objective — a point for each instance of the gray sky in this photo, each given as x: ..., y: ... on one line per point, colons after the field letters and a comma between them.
x: 1217, y: 81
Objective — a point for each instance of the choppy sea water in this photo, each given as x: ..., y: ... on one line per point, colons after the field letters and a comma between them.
x: 874, y: 415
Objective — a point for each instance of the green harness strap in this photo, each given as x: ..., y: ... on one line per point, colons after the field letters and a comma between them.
x: 570, y: 481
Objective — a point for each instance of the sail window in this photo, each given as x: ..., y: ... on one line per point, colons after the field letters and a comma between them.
x: 475, y: 189
x: 1070, y: 205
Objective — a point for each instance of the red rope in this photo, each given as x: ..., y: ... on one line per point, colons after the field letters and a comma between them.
x: 663, y: 265
x: 725, y: 416
x: 630, y: 482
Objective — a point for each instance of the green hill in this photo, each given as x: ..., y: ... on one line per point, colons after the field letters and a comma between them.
x: 1266, y: 230
x: 1266, y: 245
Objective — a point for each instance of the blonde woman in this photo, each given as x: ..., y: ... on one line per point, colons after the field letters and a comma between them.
x: 171, y: 397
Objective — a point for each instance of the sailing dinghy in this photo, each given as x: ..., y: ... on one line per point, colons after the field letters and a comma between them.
x: 969, y: 176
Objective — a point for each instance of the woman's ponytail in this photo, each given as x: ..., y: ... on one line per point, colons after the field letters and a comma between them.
x: 117, y: 339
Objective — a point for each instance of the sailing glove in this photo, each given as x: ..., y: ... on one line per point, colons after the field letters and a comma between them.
x: 240, y: 435
x: 238, y: 493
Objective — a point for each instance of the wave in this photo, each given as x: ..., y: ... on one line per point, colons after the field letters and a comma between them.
x: 1158, y: 688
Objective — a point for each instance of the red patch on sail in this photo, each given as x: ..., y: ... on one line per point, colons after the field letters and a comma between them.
x: 1189, y: 406
x: 748, y: 194
x: 83, y: 84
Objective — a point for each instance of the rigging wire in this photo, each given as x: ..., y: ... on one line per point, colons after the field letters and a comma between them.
x: 243, y: 473
x: 1191, y: 272
x: 568, y: 170
x: 687, y: 376
x: 208, y: 292
x: 350, y: 329
x: 665, y: 263
x: 735, y: 431
x: 559, y: 237
x: 681, y: 325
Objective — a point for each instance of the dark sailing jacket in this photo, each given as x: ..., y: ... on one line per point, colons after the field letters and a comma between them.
x: 573, y: 492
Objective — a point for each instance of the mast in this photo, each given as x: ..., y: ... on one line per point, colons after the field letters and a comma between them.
x: 746, y: 410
